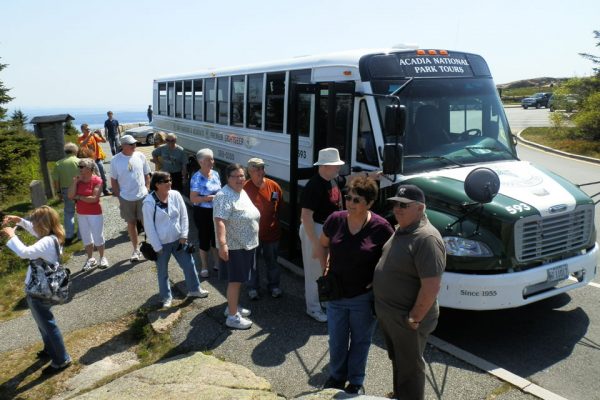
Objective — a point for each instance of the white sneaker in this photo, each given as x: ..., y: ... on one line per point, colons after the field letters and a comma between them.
x: 204, y: 273
x: 167, y: 303
x: 200, y: 293
x: 238, y: 322
x: 317, y: 315
x: 241, y: 310
x: 89, y: 264
x: 103, y: 263
x: 135, y: 256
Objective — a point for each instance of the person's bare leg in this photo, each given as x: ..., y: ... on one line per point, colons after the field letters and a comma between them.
x: 133, y: 236
x: 233, y: 296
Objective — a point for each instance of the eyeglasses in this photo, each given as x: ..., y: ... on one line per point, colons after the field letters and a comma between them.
x: 354, y: 199
x: 166, y: 181
x: 81, y: 166
x: 402, y: 205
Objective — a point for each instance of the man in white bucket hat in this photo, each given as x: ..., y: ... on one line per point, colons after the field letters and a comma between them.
x: 321, y: 197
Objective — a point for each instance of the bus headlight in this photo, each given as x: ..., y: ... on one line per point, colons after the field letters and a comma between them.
x: 458, y: 246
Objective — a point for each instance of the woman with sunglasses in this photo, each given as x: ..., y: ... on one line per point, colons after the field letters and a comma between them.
x: 85, y: 191
x: 353, y: 240
x: 166, y: 225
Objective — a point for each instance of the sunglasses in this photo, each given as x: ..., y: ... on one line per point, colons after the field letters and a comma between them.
x: 171, y: 140
x: 166, y: 181
x: 82, y: 166
x: 402, y: 205
x: 354, y: 199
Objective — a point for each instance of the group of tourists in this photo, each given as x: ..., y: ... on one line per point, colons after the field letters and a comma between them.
x: 383, y: 275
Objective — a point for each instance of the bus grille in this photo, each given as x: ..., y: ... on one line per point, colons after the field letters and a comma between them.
x: 539, y: 237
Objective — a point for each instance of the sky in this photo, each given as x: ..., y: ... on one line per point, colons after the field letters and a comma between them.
x: 105, y: 54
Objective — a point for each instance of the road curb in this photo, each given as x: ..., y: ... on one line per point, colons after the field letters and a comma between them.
x: 559, y: 152
x: 492, y: 369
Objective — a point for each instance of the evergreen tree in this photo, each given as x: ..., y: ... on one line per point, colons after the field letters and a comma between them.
x: 593, y: 58
x: 4, y: 97
x: 19, y: 119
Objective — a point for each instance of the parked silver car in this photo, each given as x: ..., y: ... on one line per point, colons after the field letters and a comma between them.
x: 143, y: 134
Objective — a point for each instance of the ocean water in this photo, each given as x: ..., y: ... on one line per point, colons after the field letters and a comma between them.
x: 93, y: 117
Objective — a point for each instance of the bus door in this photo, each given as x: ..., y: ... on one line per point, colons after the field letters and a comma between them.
x: 331, y: 127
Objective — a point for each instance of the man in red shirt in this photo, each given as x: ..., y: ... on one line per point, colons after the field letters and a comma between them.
x: 266, y: 195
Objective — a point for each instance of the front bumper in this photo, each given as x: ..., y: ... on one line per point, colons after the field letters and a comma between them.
x: 510, y: 290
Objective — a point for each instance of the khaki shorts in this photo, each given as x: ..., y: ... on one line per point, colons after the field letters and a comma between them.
x: 131, y: 211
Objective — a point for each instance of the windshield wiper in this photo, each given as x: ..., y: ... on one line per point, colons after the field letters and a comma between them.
x: 492, y: 148
x: 440, y: 158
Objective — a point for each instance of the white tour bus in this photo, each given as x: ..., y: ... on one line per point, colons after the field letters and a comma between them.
x: 515, y: 233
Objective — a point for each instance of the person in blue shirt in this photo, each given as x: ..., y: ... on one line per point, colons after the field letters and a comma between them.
x: 111, y: 131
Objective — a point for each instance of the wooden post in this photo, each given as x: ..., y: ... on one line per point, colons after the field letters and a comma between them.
x: 48, y: 186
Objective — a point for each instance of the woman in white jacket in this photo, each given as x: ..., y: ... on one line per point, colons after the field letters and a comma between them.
x: 166, y: 225
x: 43, y: 223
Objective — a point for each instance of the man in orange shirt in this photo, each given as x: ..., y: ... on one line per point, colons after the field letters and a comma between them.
x: 266, y: 195
x: 90, y: 148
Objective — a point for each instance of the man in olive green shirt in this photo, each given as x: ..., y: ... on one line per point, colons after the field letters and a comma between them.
x: 62, y: 176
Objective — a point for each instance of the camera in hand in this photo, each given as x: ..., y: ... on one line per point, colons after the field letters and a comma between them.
x: 187, y: 247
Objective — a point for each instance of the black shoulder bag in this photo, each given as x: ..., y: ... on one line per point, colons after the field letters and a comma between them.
x: 145, y: 247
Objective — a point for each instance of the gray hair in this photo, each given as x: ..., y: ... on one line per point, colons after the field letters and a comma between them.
x: 202, y: 153
x: 171, y: 135
x: 91, y: 164
x: 71, y: 148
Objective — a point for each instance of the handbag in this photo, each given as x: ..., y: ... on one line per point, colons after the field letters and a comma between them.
x: 329, y: 287
x: 49, y: 282
x: 145, y: 247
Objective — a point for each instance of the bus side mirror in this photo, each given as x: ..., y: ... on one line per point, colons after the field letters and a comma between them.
x: 393, y: 158
x: 395, y: 117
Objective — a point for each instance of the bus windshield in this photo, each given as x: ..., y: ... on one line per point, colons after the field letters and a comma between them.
x: 449, y: 122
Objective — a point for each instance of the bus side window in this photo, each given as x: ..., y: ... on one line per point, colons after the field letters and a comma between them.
x: 255, y: 101
x: 365, y: 142
x: 274, y: 101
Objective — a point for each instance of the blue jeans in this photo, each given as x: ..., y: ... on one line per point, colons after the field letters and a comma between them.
x: 268, y: 250
x: 69, y: 211
x: 350, y: 324
x: 102, y: 174
x: 186, y: 263
x: 114, y: 143
x: 53, y: 340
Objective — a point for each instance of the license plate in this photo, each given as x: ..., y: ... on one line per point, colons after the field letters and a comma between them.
x: 558, y: 273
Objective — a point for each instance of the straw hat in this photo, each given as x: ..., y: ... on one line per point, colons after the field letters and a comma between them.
x: 329, y: 156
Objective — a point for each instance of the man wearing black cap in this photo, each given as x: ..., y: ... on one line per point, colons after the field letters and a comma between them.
x: 406, y: 283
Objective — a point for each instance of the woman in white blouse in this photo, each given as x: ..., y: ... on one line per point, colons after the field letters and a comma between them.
x: 166, y: 225
x: 43, y: 223
x: 236, y: 226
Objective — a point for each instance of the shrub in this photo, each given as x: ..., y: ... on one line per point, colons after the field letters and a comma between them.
x: 588, y: 118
